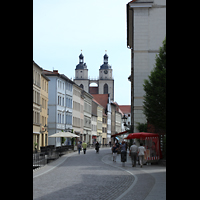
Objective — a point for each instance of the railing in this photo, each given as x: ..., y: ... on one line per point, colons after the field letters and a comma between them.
x: 39, y: 160
x: 49, y: 153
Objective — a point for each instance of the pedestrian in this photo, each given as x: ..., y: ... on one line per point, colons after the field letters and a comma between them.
x: 123, y: 152
x: 141, y: 152
x: 84, y: 147
x: 114, y: 150
x: 79, y: 147
x: 133, y: 154
x: 97, y: 147
x: 110, y: 143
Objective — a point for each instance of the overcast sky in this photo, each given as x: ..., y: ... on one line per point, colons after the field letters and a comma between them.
x: 61, y: 28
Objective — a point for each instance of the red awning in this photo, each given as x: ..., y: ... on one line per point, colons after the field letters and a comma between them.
x: 141, y: 135
x: 121, y: 133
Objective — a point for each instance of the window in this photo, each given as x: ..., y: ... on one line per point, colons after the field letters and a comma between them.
x: 105, y: 89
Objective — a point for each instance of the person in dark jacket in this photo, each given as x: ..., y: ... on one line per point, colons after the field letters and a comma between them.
x: 114, y: 150
x: 97, y: 147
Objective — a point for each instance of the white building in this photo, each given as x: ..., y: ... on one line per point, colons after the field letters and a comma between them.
x: 146, y: 30
x: 78, y: 116
x: 87, y: 110
x: 60, y: 104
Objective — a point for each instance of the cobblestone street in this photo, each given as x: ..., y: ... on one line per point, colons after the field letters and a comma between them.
x: 95, y: 176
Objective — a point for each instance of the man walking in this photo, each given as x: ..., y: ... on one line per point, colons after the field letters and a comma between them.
x: 84, y: 145
x: 79, y: 147
x: 133, y: 154
x: 141, y: 152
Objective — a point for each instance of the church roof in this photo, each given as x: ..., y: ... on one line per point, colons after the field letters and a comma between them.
x: 105, y: 64
x: 125, y: 108
x: 81, y: 66
x: 102, y: 99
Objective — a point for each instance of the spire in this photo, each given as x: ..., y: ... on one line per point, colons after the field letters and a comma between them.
x: 81, y: 64
x: 81, y: 57
x: 105, y: 58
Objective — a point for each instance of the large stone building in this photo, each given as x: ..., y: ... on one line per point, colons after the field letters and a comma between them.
x: 105, y: 82
x: 146, y: 30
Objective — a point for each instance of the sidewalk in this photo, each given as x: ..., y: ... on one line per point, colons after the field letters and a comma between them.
x: 150, y: 180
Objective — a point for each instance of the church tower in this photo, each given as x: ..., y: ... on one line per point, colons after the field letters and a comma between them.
x: 106, y: 81
x: 81, y: 74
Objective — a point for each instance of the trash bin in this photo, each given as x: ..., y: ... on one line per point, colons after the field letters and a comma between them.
x: 123, y: 156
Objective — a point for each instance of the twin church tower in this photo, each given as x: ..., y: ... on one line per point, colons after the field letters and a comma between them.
x: 105, y: 82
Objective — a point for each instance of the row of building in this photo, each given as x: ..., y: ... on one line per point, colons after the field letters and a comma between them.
x: 60, y: 104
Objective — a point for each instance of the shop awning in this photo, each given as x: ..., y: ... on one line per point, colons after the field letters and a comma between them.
x: 64, y: 134
x: 121, y: 133
x: 141, y: 135
x: 36, y: 132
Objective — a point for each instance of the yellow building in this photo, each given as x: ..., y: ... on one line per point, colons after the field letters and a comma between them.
x: 43, y: 141
x: 37, y: 71
x: 99, y: 123
x: 104, y: 129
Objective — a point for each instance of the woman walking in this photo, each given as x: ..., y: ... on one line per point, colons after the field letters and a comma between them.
x: 114, y: 150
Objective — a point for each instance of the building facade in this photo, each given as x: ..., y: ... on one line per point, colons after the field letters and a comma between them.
x: 146, y: 30
x: 94, y: 121
x: 60, y: 104
x: 99, y: 123
x: 126, y: 110
x: 104, y: 100
x: 37, y: 71
x: 104, y: 129
x: 78, y: 115
x: 44, y: 110
x: 87, y: 131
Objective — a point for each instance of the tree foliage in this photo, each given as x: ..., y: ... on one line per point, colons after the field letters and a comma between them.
x: 155, y: 88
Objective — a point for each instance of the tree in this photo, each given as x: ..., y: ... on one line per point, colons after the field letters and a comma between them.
x: 155, y: 88
x: 142, y: 127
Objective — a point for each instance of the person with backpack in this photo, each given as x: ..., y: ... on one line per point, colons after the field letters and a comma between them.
x: 79, y: 147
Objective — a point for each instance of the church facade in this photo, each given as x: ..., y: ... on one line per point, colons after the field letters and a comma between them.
x: 105, y: 82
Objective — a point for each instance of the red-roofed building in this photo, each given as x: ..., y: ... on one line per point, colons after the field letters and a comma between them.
x: 104, y: 100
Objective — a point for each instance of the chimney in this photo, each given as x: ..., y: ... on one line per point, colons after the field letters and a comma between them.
x: 56, y: 71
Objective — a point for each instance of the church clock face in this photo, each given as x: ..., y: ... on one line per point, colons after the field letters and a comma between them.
x: 105, y: 71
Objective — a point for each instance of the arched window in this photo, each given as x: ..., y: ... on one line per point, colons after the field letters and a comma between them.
x: 81, y: 85
x: 105, y: 89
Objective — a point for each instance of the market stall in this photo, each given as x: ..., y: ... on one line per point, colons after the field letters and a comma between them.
x: 151, y: 143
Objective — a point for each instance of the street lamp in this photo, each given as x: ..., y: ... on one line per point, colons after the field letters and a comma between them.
x: 124, y: 118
